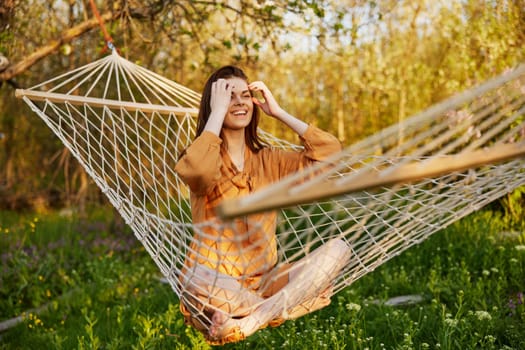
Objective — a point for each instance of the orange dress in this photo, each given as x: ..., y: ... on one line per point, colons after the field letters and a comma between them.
x: 245, y: 248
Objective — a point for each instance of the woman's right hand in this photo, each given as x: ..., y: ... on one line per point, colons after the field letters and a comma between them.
x: 221, y: 94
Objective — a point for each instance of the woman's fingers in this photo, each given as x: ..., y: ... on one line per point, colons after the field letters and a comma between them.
x: 221, y: 90
x: 259, y: 86
x: 268, y: 103
x: 221, y: 86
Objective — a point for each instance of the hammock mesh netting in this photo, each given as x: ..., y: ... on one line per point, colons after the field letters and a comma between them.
x: 127, y: 126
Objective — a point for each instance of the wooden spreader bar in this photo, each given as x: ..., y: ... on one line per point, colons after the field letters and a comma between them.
x: 270, y: 199
x: 102, y: 102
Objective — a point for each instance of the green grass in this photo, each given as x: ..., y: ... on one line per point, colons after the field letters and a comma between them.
x: 98, y: 289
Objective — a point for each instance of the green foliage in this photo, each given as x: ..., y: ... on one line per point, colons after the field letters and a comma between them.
x: 514, y: 205
x: 5, y: 36
x: 101, y: 291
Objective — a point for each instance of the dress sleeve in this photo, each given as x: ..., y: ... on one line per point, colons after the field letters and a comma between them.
x: 318, y: 145
x: 200, y: 165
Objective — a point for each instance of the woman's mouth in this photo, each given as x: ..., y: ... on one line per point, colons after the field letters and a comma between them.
x: 239, y: 113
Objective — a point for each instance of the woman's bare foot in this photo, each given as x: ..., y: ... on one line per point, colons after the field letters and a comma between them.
x: 225, y: 329
x: 224, y: 326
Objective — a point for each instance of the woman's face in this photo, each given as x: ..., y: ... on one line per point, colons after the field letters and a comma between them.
x: 240, y: 111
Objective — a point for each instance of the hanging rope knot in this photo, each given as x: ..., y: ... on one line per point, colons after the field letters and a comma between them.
x: 109, y: 45
x: 107, y: 37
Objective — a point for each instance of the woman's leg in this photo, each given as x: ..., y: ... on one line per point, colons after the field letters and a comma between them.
x: 209, y: 298
x: 310, y: 279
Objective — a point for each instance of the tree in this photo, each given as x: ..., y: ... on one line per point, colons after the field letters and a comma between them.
x: 352, y: 66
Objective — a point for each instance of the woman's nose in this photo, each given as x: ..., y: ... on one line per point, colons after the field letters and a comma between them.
x: 237, y: 100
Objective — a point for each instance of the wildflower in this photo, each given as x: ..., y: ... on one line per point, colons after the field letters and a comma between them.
x: 490, y: 338
x: 483, y: 315
x: 520, y: 247
x: 512, y: 305
x: 40, y: 278
x: 513, y: 260
x: 353, y: 307
x: 514, y: 302
x: 520, y: 298
x: 485, y: 272
x: 450, y: 322
x: 494, y: 269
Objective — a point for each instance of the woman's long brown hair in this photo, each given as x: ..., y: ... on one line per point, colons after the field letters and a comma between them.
x: 250, y: 135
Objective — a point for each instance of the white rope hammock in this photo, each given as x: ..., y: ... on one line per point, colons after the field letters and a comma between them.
x: 127, y: 126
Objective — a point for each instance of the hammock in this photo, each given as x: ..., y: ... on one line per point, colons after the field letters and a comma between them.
x: 127, y: 127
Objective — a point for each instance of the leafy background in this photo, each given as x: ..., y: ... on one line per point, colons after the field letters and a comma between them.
x: 352, y: 67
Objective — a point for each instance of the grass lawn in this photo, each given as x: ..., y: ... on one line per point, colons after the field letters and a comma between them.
x: 79, y: 284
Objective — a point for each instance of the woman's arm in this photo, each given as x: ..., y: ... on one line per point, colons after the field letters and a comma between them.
x: 318, y: 144
x: 200, y: 165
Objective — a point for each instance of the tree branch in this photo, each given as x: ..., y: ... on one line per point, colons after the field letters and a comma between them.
x: 42, y: 52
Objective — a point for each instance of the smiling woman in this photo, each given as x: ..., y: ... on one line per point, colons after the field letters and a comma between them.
x: 231, y: 282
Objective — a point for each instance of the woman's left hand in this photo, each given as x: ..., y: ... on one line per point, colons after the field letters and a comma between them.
x: 269, y: 105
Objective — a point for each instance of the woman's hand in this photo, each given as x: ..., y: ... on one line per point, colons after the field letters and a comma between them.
x: 269, y: 105
x: 221, y: 94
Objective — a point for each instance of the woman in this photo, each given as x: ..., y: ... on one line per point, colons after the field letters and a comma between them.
x: 231, y: 284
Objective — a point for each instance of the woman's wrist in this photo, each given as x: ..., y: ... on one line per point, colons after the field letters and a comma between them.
x: 281, y: 114
x: 214, y: 123
x: 294, y: 123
